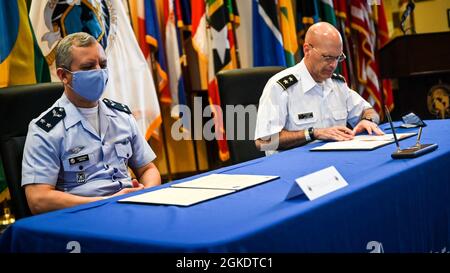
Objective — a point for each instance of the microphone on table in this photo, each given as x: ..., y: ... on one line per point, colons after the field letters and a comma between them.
x: 413, y: 151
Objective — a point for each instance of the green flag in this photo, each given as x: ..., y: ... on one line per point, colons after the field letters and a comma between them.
x: 326, y: 12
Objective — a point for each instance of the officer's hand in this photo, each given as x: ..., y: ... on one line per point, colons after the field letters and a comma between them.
x: 366, y: 125
x: 135, y: 183
x: 339, y: 133
x: 128, y: 190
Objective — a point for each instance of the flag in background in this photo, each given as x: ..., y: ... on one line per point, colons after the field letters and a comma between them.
x: 244, y: 41
x: 221, y: 55
x: 16, y: 50
x: 327, y: 14
x: 367, y: 68
x: 130, y: 80
x: 153, y: 38
x: 232, y: 24
x: 200, y: 40
x: 174, y: 59
x: 137, y: 13
x: 326, y: 11
x: 343, y: 25
x: 183, y: 18
x: 267, y: 39
x: 288, y: 32
x: 307, y: 14
x: 383, y: 38
x: 20, y: 62
x: 183, y: 13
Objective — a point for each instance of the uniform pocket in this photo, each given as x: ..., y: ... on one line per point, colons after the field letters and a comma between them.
x: 123, y: 149
x: 339, y: 115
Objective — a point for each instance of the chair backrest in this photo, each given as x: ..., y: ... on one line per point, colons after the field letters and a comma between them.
x: 242, y: 87
x: 18, y: 106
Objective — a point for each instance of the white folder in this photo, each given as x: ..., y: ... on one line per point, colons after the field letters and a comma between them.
x: 200, y: 189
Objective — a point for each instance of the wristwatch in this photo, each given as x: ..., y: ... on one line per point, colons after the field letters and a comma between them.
x: 369, y: 119
x: 309, y: 134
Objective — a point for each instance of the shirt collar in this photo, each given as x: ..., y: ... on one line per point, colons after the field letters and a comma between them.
x: 73, y: 116
x: 308, y: 83
x: 105, y: 109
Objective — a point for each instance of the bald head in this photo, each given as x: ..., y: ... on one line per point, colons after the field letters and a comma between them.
x: 322, y: 47
x: 323, y: 33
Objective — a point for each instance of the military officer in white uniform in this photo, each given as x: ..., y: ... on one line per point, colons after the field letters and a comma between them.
x: 308, y: 101
x: 79, y: 150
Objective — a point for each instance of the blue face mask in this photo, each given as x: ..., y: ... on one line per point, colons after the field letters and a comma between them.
x: 89, y: 84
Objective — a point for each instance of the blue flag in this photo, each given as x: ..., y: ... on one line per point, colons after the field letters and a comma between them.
x: 267, y: 40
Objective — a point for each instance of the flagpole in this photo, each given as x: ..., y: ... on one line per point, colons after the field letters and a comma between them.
x: 188, y: 87
x: 162, y: 129
x: 185, y: 73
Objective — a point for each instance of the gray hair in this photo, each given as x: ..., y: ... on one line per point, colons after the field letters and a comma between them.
x: 64, y: 48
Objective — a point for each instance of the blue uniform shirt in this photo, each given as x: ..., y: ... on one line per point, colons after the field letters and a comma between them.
x: 71, y: 156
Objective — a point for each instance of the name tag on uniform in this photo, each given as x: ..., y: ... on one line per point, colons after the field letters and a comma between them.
x: 79, y: 159
x: 305, y: 115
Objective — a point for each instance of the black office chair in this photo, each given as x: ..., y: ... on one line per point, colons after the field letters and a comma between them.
x: 243, y: 87
x: 18, y: 106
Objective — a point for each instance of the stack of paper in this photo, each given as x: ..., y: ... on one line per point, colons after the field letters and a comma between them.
x: 362, y: 142
x: 199, y: 190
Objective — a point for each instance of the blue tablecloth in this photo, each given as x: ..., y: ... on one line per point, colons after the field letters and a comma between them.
x: 389, y: 205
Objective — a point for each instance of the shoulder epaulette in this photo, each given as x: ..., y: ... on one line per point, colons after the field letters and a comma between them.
x: 338, y: 77
x: 116, y: 105
x: 49, y: 120
x: 287, y: 81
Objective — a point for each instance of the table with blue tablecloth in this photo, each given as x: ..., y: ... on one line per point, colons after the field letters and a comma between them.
x: 389, y: 205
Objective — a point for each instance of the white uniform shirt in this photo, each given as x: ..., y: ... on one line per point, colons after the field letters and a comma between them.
x: 306, y: 103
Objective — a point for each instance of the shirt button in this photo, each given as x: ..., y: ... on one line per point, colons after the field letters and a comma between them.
x: 106, y: 166
x: 128, y: 155
x: 80, y: 167
x: 116, y: 170
x: 103, y: 143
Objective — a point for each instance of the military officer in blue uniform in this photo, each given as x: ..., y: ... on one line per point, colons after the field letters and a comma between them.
x: 308, y: 101
x: 80, y: 149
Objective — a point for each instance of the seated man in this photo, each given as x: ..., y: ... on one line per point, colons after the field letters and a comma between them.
x: 79, y: 150
x: 307, y: 101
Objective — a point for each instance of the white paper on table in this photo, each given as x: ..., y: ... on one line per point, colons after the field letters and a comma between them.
x: 176, y: 196
x: 226, y: 181
x: 362, y: 142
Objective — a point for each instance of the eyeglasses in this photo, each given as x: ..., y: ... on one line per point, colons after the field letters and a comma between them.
x: 328, y: 58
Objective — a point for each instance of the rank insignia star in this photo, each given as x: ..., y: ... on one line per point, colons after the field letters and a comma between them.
x: 118, y: 106
x: 287, y: 81
x: 338, y: 77
x: 51, y: 118
x: 55, y: 114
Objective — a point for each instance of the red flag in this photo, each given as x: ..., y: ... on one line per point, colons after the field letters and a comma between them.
x: 367, y: 68
x: 220, y: 58
x: 383, y: 38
